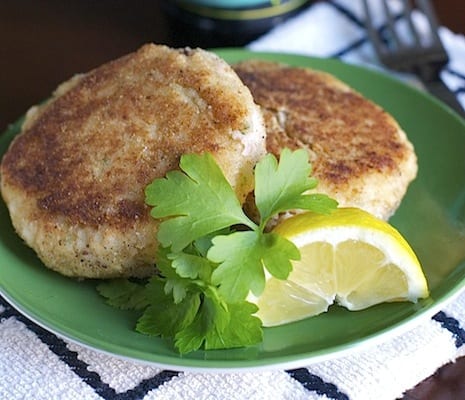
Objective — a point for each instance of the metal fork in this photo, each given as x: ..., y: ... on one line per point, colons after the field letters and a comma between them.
x: 425, y: 61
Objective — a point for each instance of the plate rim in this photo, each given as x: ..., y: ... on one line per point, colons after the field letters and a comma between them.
x: 295, y: 360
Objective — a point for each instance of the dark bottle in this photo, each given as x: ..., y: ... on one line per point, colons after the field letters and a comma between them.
x: 224, y: 23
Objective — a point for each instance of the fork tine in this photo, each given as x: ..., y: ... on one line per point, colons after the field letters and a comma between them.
x: 427, y: 9
x: 426, y: 61
x: 390, y: 24
x: 371, y: 29
x: 408, y: 16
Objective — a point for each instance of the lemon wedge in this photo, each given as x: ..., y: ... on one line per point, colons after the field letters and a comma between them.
x: 349, y: 257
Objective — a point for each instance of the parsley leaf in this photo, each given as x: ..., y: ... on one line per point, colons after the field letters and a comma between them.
x: 199, y: 201
x: 210, y: 321
x: 220, y: 325
x: 124, y: 294
x: 212, y: 255
x: 164, y: 317
x: 244, y: 329
x: 242, y: 256
x: 174, y: 283
x: 280, y: 187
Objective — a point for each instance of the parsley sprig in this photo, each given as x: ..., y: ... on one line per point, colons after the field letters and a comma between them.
x: 212, y: 255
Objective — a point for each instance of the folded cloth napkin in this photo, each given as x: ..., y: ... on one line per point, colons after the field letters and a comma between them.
x: 36, y: 364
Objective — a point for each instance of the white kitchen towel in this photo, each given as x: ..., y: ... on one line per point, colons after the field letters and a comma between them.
x: 335, y: 29
x: 35, y: 364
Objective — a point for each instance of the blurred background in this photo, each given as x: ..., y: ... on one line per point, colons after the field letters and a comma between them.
x: 45, y: 42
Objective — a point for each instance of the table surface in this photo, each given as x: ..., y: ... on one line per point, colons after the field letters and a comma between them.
x: 44, y: 43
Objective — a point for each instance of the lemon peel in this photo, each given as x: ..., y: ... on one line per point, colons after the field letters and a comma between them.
x: 348, y: 257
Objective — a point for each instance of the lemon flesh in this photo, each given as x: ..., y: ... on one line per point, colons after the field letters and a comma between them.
x: 349, y: 257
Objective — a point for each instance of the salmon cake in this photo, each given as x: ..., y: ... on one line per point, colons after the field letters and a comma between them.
x: 359, y: 154
x: 74, y: 178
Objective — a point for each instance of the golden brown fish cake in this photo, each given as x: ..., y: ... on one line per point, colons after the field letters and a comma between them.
x: 360, y: 155
x: 74, y: 178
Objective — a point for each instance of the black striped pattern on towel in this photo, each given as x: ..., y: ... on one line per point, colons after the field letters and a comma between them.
x: 315, y: 384
x: 355, y: 45
x: 311, y: 382
x: 59, y: 347
x: 453, y: 326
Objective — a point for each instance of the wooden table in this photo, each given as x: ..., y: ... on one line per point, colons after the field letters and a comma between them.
x: 45, y: 42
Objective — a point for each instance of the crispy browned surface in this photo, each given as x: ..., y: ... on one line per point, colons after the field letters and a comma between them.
x: 74, y: 179
x: 353, y: 144
x: 89, y: 154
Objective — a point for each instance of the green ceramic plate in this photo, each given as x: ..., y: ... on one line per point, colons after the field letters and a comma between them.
x: 432, y: 217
